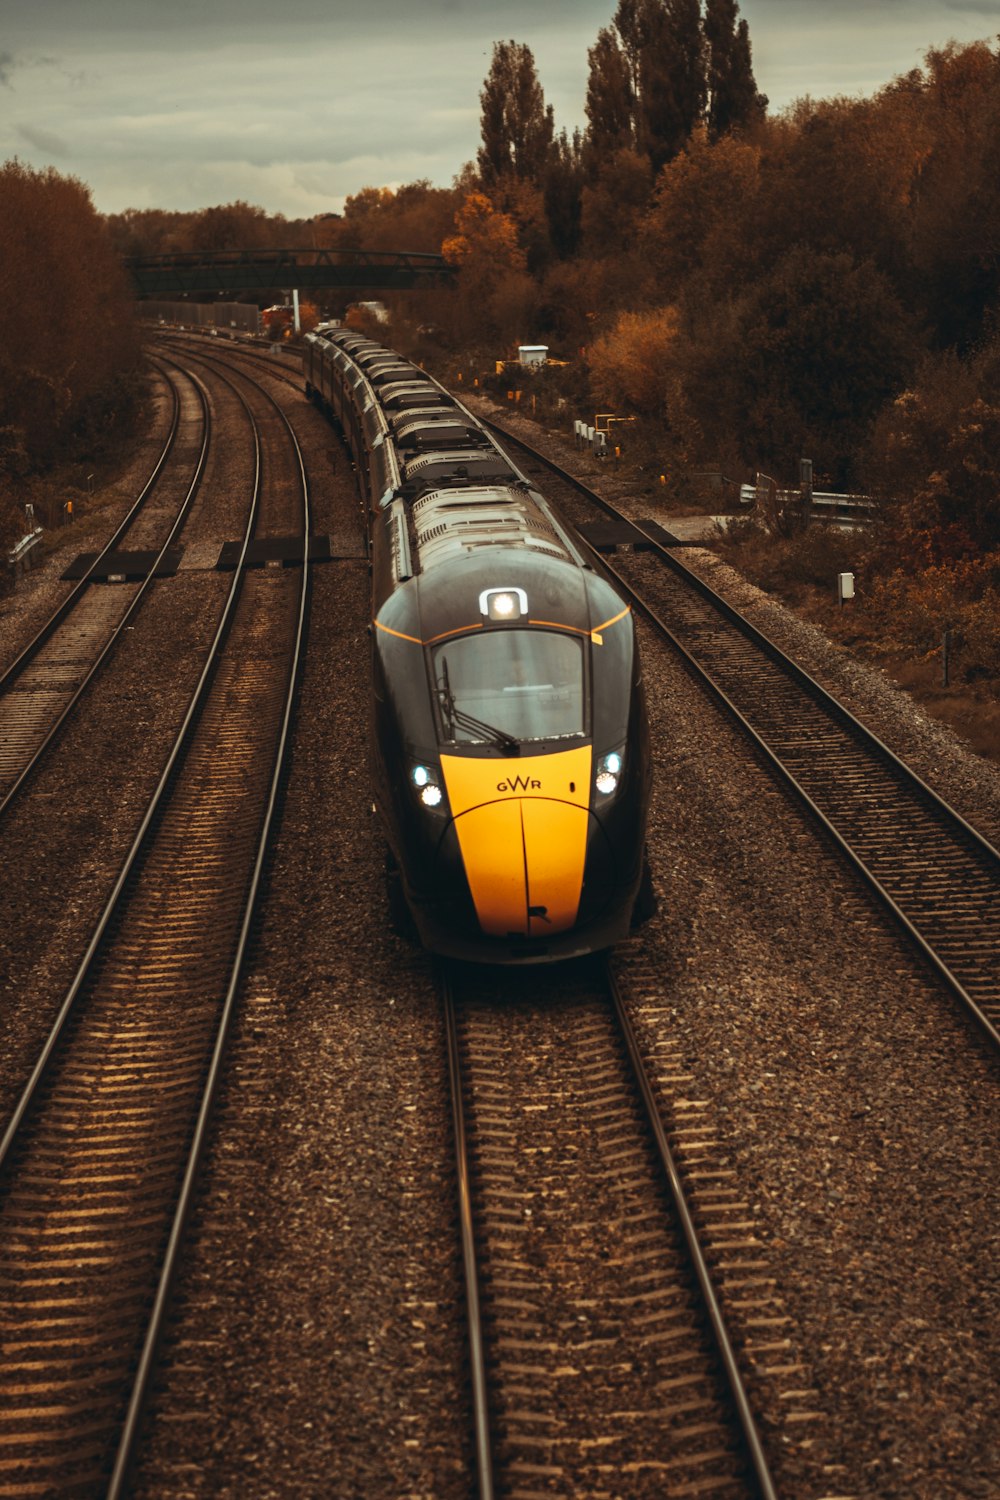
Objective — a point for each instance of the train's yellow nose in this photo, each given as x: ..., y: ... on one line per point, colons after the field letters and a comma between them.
x: 522, y: 830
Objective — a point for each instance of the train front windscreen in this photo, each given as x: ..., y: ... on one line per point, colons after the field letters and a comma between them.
x: 510, y: 686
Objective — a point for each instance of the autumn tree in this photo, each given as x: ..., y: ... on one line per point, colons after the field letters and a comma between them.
x: 562, y: 189
x: 935, y: 451
x: 613, y: 204
x: 697, y: 223
x: 571, y: 295
x: 517, y: 127
x: 934, y: 564
x: 231, y: 226
x: 733, y: 100
x: 822, y: 342
x: 647, y: 84
x: 955, y: 208
x: 630, y: 365
x: 629, y: 26
x: 69, y: 323
x: 495, y: 295
x: 831, y: 170
x: 366, y: 203
x: 523, y: 201
x: 148, y: 231
x: 415, y: 216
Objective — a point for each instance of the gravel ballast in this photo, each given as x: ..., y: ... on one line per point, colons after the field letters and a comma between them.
x: 316, y: 1340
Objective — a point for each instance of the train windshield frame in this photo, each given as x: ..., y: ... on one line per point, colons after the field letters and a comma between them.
x: 513, y: 686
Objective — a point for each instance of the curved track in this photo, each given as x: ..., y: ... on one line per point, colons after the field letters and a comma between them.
x: 938, y: 876
x: 98, y: 1161
x: 40, y: 689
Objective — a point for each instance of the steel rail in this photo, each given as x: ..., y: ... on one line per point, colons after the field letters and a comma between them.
x: 480, y: 1400
x: 829, y: 828
x: 723, y: 1343
x: 127, y: 1438
x: 130, y: 1429
x: 718, y: 1353
x: 131, y: 858
x: 758, y: 637
x: 11, y: 673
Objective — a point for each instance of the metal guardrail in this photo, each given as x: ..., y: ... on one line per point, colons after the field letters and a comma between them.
x: 858, y: 509
x: 18, y: 554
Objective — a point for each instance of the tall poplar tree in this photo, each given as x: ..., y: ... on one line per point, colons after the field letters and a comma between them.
x: 647, y: 67
x: 733, y: 100
x: 671, y: 77
x: 517, y: 128
x: 564, y: 179
x: 610, y: 104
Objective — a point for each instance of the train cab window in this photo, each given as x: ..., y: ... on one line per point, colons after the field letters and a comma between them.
x: 509, y: 684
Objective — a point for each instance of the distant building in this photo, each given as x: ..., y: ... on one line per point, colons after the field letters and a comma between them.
x: 532, y: 354
x: 376, y: 310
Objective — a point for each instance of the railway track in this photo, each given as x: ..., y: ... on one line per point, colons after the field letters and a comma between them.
x: 937, y: 875
x: 601, y: 1359
x: 98, y: 1160
x: 559, y: 1440
x: 40, y: 689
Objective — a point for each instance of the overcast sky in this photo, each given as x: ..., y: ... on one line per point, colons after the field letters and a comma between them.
x: 293, y: 105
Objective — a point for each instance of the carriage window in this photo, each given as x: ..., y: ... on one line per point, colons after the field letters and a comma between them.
x: 525, y: 684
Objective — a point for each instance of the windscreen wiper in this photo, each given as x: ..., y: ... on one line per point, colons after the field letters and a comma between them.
x: 457, y: 718
x: 490, y: 731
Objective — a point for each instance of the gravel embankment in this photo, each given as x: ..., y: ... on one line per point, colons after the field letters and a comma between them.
x: 25, y: 608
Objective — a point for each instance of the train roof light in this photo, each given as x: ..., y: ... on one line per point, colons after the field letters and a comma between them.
x: 503, y: 604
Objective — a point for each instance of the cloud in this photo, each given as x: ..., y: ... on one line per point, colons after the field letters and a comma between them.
x: 44, y: 141
x: 297, y: 106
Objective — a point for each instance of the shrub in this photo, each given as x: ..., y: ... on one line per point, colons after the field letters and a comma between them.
x: 935, y: 455
x: 958, y: 596
x: 630, y: 365
x: 809, y: 558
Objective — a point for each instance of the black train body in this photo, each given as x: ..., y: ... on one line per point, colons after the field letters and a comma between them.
x: 510, y: 749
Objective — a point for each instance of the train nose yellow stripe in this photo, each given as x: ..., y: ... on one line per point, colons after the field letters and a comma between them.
x: 522, y: 830
x: 555, y: 842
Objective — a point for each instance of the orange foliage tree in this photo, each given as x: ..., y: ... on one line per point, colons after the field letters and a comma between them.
x: 415, y: 217
x: 69, y: 325
x: 696, y: 223
x: 630, y: 365
x: 495, y: 296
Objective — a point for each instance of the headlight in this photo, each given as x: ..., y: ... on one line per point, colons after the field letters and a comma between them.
x: 609, y: 772
x: 426, y: 782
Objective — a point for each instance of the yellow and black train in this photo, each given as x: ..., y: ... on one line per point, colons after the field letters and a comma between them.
x: 510, y: 749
